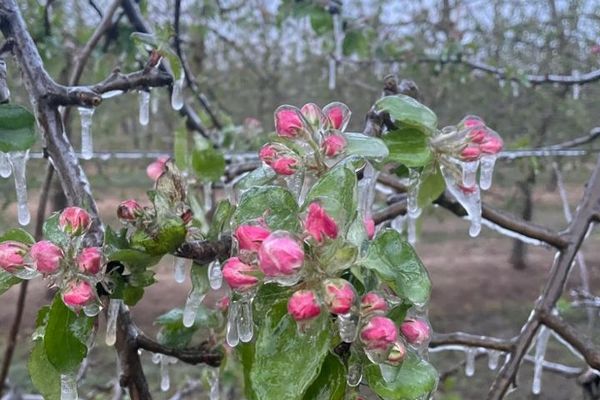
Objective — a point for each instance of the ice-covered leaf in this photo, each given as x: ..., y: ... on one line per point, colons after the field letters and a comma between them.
x: 397, y: 264
x: 262, y: 175
x: 275, y: 204
x: 174, y: 334
x: 408, y: 146
x: 220, y: 219
x: 331, y: 382
x: 44, y: 376
x: 431, y: 187
x: 17, y: 128
x: 208, y: 163
x: 52, y: 232
x: 365, y: 146
x: 406, y: 111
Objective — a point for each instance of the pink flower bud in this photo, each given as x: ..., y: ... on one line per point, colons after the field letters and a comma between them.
x: 467, y: 189
x: 239, y: 275
x: 155, y: 169
x: 339, y: 296
x: 77, y: 294
x: 338, y: 115
x: 319, y: 224
x: 470, y: 153
x: 373, y: 302
x: 492, y: 144
x: 280, y: 255
x: 90, y: 260
x: 223, y: 303
x: 313, y: 114
x: 12, y: 255
x: 250, y: 237
x: 369, y: 224
x: 477, y: 135
x: 46, y: 256
x: 379, y: 333
x: 285, y: 165
x: 303, y: 305
x: 397, y: 354
x: 333, y: 145
x: 416, y: 331
x: 129, y: 210
x: 288, y: 122
x: 471, y: 121
x: 74, y: 221
x: 267, y: 153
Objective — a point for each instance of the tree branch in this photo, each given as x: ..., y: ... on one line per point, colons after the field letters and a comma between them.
x: 200, y: 355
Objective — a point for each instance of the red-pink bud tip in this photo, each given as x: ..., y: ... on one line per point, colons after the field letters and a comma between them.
x: 155, y: 169
x: 333, y: 145
x: 319, y: 224
x: 46, y: 256
x: 470, y: 153
x: 12, y: 255
x: 77, y: 294
x: 250, y: 237
x: 89, y: 260
x: 416, y: 331
x: 239, y: 275
x: 129, y: 210
x: 369, y: 224
x: 303, y: 305
x: 280, y: 255
x: 285, y: 165
x: 288, y: 122
x: 74, y: 221
x: 339, y: 296
x: 373, y: 302
x: 379, y: 333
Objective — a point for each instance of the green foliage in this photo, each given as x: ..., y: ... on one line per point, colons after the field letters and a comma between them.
x: 275, y: 204
x: 397, y: 264
x: 356, y: 42
x: 406, y: 111
x: 408, y: 146
x: 331, y: 382
x: 365, y: 146
x: 174, y: 334
x: 432, y: 185
x: 44, y: 376
x: 17, y: 128
x: 207, y: 162
x: 221, y: 219
x: 17, y: 235
x: 52, y: 232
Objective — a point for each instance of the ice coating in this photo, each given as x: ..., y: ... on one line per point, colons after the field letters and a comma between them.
x: 18, y: 159
x: 469, y: 198
x: 179, y: 264
x: 114, y: 306
x: 87, y: 143
x: 144, y: 104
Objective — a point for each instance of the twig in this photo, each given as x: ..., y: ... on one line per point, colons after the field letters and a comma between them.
x: 466, y: 339
x: 189, y: 355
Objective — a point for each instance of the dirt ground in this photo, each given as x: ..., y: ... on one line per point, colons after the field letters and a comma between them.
x: 475, y: 289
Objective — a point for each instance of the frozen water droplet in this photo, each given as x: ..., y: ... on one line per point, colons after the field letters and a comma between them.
x: 469, y: 198
x: 215, y: 275
x: 493, y: 358
x: 156, y: 357
x: 112, y: 93
x: 538, y: 366
x: 354, y: 375
x: 179, y: 264
x: 111, y: 321
x: 154, y: 103
x: 144, y: 103
x: 18, y: 160
x: 412, y: 230
x: 469, y: 173
x: 68, y: 387
x: 245, y: 323
x: 232, y: 327
x: 214, y: 393
x: 501, y: 83
x: 87, y: 144
x: 470, y: 361
x: 192, y: 304
x: 177, y: 93
x: 388, y: 372
x: 207, y: 190
x: 26, y: 273
x: 165, y: 381
x: 398, y: 223
x: 5, y: 168
x: 92, y: 309
x: 487, y: 170
x: 331, y: 82
x: 347, y: 325
x: 412, y: 204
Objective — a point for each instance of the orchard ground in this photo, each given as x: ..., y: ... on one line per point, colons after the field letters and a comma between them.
x: 475, y: 289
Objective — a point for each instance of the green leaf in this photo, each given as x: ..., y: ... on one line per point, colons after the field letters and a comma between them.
x: 180, y: 148
x: 221, y: 219
x: 162, y: 239
x: 408, y: 146
x: 275, y: 204
x: 17, y: 235
x: 53, y: 233
x: 174, y: 334
x: 396, y: 263
x: 64, y: 337
x: 331, y: 382
x: 208, y: 163
x: 17, y: 128
x: 336, y: 191
x: 414, y: 379
x: 134, y: 259
x: 278, y: 366
x: 320, y: 20
x: 261, y: 176
x: 7, y: 281
x: 405, y: 110
x: 431, y: 187
x: 365, y: 146
x: 356, y: 42
x: 44, y: 376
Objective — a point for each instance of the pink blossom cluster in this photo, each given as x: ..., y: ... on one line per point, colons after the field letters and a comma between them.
x: 478, y: 139
x: 321, y: 129
x: 72, y: 266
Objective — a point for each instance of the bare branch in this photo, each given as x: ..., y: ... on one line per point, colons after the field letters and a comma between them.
x: 466, y: 339
x: 200, y: 355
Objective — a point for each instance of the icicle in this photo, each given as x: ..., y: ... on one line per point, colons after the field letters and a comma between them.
x: 177, y: 93
x: 156, y: 357
x: 331, y: 82
x: 412, y: 230
x: 245, y: 323
x: 215, y: 275
x: 470, y: 361
x: 501, y: 83
x: 208, y: 196
x: 111, y: 321
x: 87, y: 144
x: 493, y: 358
x: 398, y: 223
x: 347, y: 324
x: 154, y: 103
x: 179, y: 264
x: 92, y: 309
x: 515, y: 88
x: 354, y: 375
x: 18, y: 160
x: 538, y: 364
x: 576, y: 87
x: 469, y: 173
x: 469, y: 198
x: 214, y: 393
x: 192, y: 303
x: 165, y: 381
x: 487, y: 170
x: 232, y: 326
x: 412, y: 206
x: 5, y: 168
x: 144, y: 103
x: 112, y: 93
x: 68, y: 387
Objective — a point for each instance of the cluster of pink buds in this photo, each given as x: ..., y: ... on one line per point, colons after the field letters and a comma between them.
x: 320, y: 130
x: 71, y: 266
x: 479, y: 140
